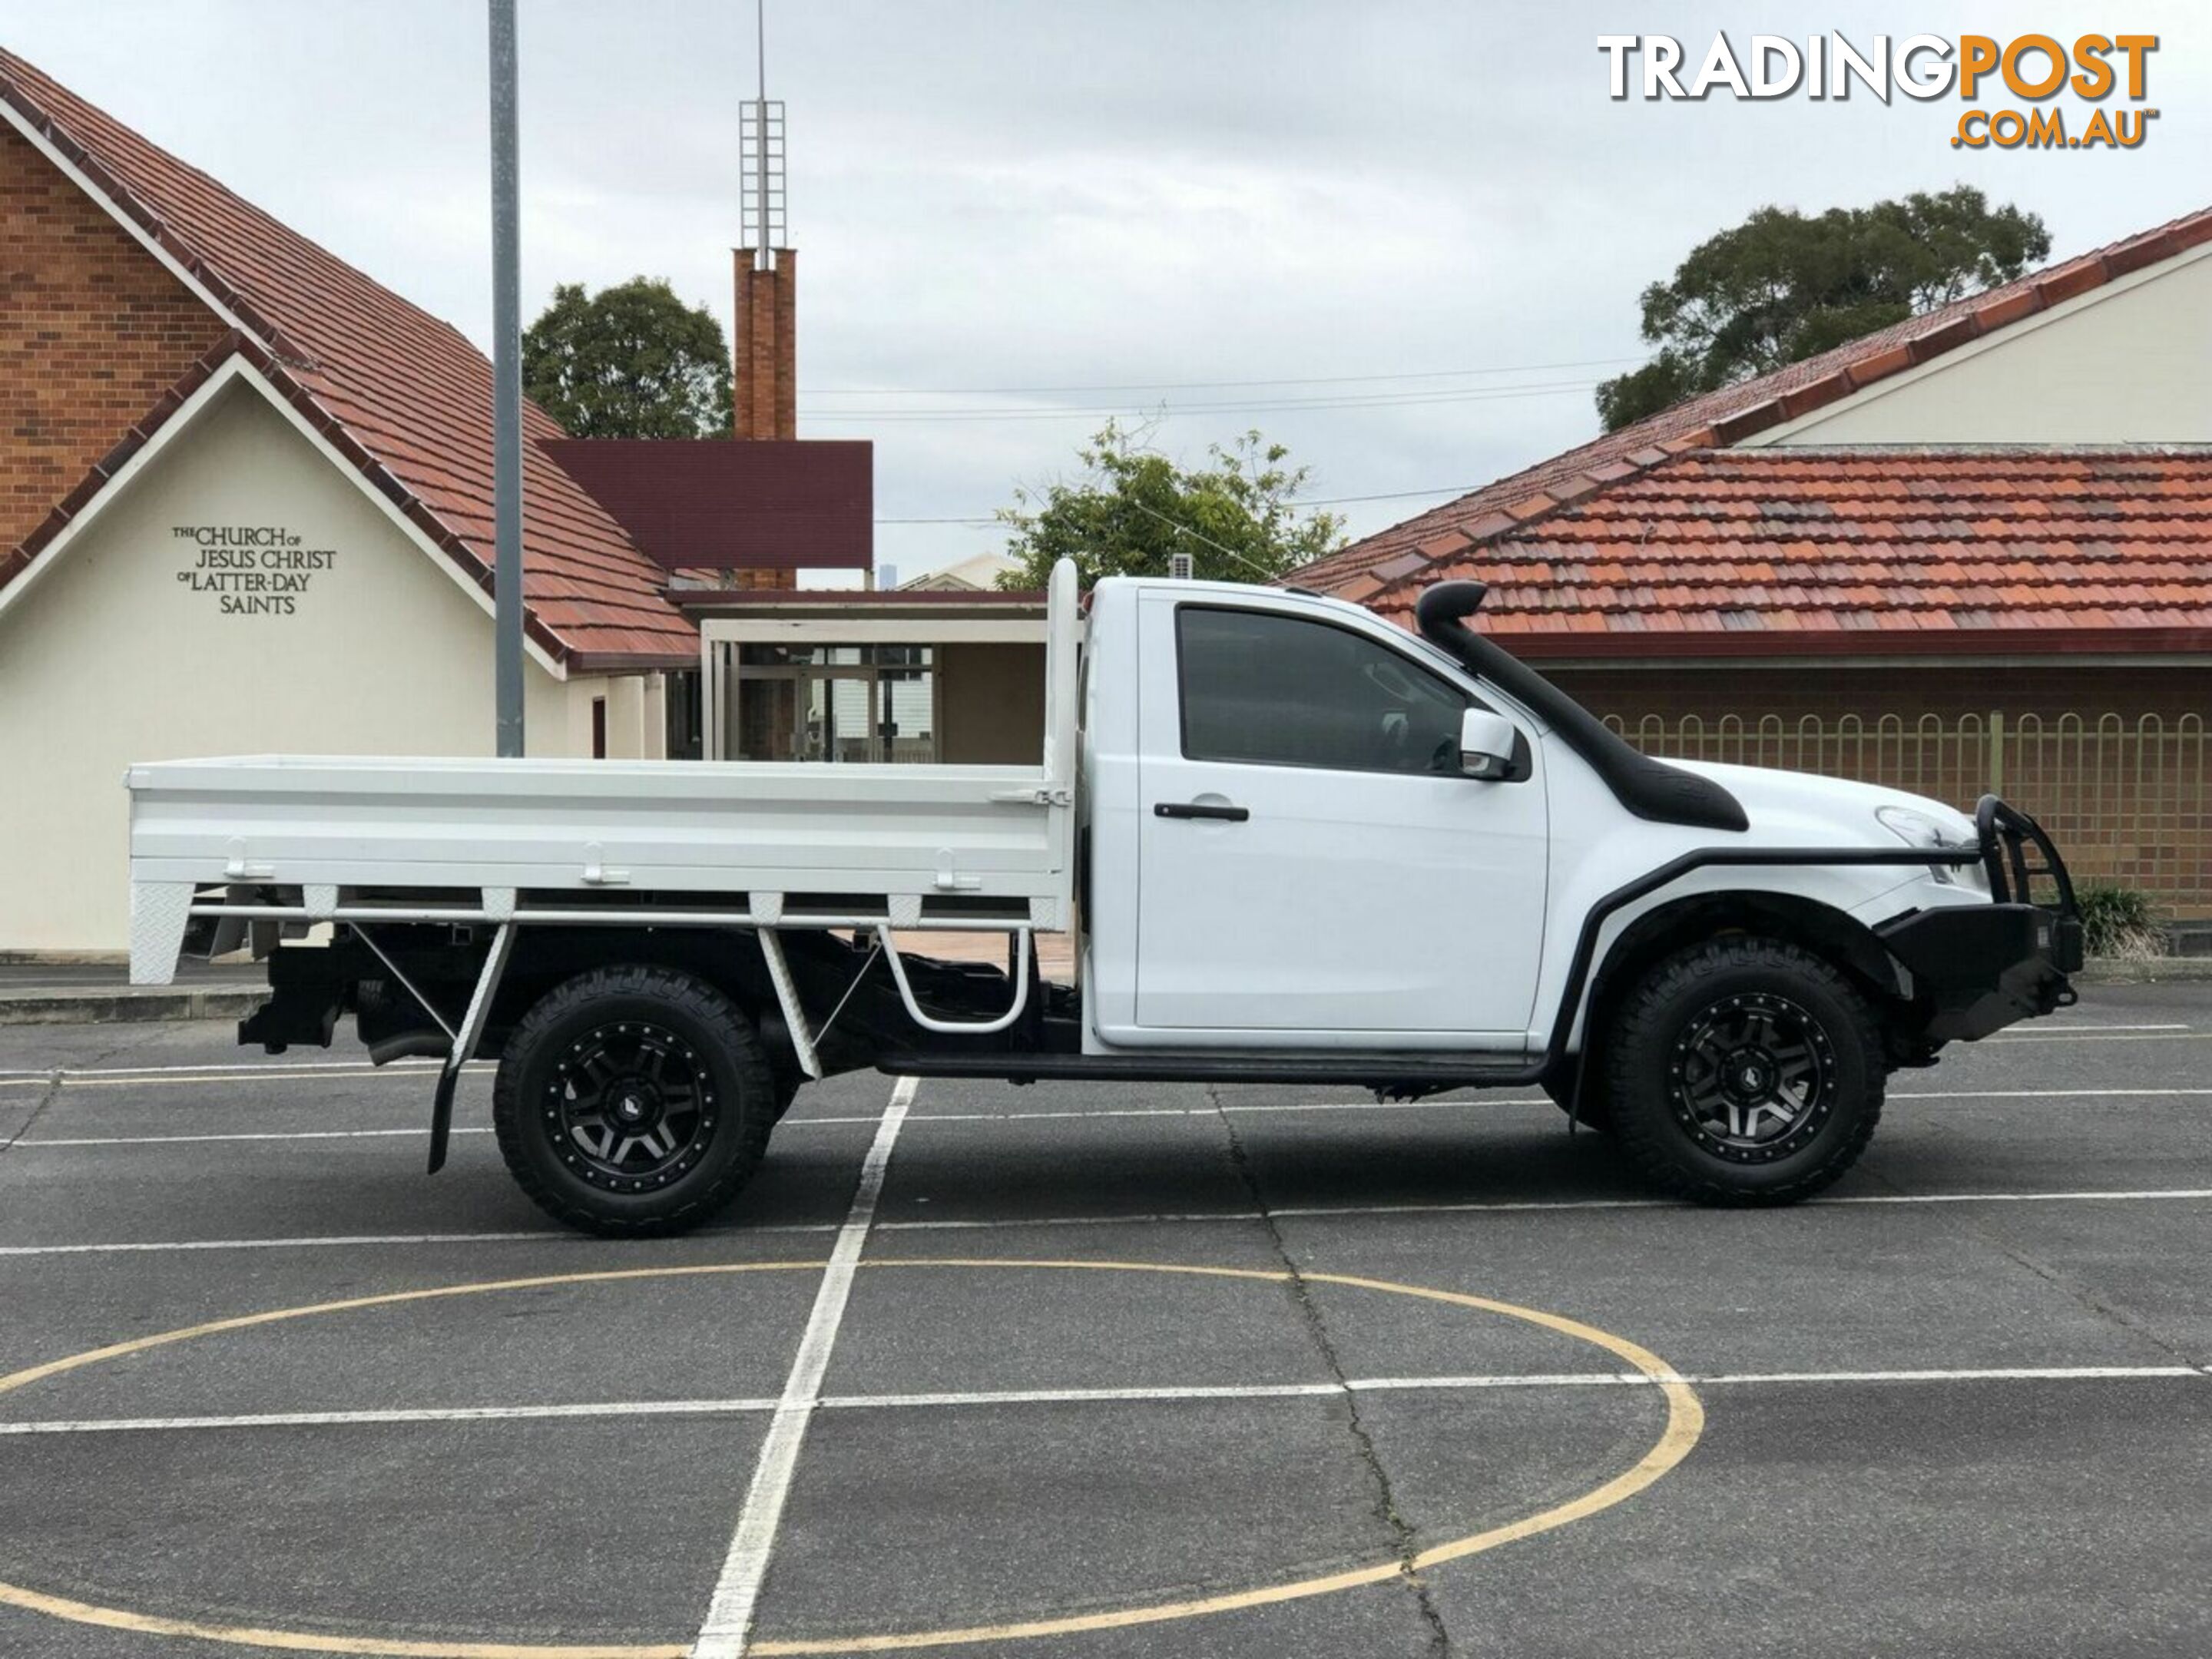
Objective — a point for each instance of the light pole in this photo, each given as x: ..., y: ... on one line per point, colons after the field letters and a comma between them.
x: 506, y: 388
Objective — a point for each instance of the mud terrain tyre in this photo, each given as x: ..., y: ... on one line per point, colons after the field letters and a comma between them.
x: 634, y: 1101
x: 1744, y: 1071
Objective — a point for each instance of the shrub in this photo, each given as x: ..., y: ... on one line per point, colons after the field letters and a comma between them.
x: 2118, y: 921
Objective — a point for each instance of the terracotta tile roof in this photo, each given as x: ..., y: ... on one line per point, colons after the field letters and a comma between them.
x: 1792, y: 551
x: 1733, y: 413
x: 404, y: 395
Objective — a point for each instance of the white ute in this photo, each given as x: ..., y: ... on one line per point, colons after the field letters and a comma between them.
x: 1292, y: 843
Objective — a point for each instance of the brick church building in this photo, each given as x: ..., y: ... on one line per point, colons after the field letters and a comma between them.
x: 246, y: 506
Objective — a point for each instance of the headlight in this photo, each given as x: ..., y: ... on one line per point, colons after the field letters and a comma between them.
x: 1917, y: 829
x: 1914, y: 828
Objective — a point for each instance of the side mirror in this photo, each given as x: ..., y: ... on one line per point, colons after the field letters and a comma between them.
x: 1485, y: 745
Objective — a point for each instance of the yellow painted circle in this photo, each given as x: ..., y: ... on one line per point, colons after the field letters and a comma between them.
x: 1686, y: 1419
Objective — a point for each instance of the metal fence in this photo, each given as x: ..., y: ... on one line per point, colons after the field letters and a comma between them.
x: 2127, y: 800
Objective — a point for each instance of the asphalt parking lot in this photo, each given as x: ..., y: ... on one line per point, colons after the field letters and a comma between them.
x: 1443, y: 1381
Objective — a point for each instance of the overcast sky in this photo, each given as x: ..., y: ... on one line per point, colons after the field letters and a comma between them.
x: 1032, y: 194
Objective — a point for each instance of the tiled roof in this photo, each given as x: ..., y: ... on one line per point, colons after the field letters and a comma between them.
x: 404, y: 395
x: 1792, y: 551
x: 1735, y: 412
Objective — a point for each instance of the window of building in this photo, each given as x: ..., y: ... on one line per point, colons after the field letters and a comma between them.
x: 685, y: 739
x: 598, y: 728
x: 830, y: 703
x: 1276, y: 690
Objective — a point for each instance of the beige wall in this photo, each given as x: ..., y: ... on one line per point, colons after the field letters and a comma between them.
x: 991, y: 706
x: 2123, y: 364
x: 111, y: 658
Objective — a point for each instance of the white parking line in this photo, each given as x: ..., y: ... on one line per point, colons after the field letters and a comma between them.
x: 2137, y: 1196
x: 1477, y: 1103
x: 43, y: 1145
x: 1520, y: 1207
x: 338, y: 1070
x: 1990, y: 1374
x: 730, y: 1612
x: 47, y: 1144
x: 2075, y: 1028
x: 336, y: 1241
x: 1133, y: 1395
x: 1504, y: 1206
x: 220, y: 1072
x: 426, y: 1415
x: 1454, y: 1103
x: 1144, y: 1218
x: 1282, y: 1106
x: 73, y: 1081
x: 2049, y: 1094
x: 413, y: 1074
x: 413, y: 1062
x: 2182, y: 1035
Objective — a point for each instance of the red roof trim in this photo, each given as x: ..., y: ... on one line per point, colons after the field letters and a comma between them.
x: 1635, y: 648
x: 627, y: 662
x: 838, y: 598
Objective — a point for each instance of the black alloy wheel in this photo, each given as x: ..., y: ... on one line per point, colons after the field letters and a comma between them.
x: 634, y: 1101
x: 1752, y: 1076
x: 1743, y: 1071
x: 632, y: 1105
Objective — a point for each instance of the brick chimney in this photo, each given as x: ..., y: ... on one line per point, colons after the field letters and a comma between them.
x: 764, y: 383
x: 767, y: 387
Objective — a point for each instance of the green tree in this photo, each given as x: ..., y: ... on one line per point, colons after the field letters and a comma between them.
x: 629, y: 362
x: 1781, y: 287
x: 1133, y: 508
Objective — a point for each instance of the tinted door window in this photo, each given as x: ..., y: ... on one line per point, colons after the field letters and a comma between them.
x: 1276, y: 690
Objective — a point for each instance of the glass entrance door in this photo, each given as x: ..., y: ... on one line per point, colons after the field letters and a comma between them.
x: 834, y: 703
x: 835, y: 714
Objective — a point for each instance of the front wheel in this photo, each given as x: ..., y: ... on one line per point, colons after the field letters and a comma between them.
x: 634, y: 1101
x: 1744, y: 1071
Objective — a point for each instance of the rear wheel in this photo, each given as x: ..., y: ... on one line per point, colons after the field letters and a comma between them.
x: 1744, y: 1071
x: 634, y: 1101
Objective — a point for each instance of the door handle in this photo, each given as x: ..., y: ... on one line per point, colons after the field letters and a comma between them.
x: 1181, y: 809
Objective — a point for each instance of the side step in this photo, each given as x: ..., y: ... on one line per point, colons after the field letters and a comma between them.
x: 1358, y: 1067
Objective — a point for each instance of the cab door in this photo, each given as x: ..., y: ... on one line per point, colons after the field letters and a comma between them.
x: 1310, y: 858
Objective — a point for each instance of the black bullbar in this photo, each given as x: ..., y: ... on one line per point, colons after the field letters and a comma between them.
x: 1978, y: 967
